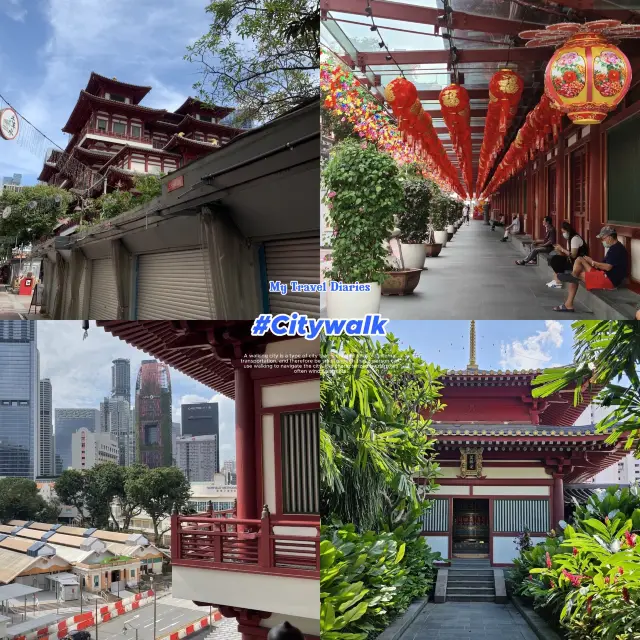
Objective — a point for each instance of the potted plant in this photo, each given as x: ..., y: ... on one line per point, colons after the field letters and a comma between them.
x: 451, y: 213
x: 438, y: 217
x: 363, y: 192
x: 432, y: 248
x: 400, y: 280
x: 413, y: 222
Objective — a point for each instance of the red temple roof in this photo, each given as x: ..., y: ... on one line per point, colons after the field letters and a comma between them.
x: 196, y: 145
x: 193, y: 104
x: 113, y: 85
x: 88, y: 102
x: 189, y: 123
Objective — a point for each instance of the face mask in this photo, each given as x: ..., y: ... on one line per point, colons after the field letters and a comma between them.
x: 565, y: 234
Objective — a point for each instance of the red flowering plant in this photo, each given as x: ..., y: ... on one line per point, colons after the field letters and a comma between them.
x: 596, y: 578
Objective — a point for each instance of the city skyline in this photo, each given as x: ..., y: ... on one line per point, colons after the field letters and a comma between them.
x: 81, y: 374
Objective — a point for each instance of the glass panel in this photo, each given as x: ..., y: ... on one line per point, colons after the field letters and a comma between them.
x: 119, y: 127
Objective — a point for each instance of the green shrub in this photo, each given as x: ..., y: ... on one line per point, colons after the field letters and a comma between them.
x: 363, y: 195
x: 369, y: 578
x: 413, y: 220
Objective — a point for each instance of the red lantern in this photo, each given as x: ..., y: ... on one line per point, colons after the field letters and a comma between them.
x: 401, y: 95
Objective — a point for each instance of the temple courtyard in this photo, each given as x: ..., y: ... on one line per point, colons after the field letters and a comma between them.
x: 469, y: 621
x: 475, y: 276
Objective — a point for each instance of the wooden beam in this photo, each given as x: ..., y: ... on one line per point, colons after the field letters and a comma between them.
x: 427, y: 15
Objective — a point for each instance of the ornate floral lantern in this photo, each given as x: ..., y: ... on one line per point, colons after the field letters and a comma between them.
x: 588, y: 75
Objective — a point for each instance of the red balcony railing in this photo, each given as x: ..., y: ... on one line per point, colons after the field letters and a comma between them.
x: 217, y: 541
x: 110, y: 134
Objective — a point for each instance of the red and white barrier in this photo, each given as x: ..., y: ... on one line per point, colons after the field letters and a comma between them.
x: 216, y: 616
x: 84, y: 620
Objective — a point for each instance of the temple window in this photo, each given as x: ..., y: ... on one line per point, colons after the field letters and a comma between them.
x: 119, y: 127
x: 136, y: 130
x: 206, y: 118
x: 117, y: 98
x: 101, y: 124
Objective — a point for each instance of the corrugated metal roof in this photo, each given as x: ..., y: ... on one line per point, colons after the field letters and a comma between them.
x: 71, y: 555
x: 111, y: 536
x: 74, y: 531
x: 42, y: 526
x: 12, y: 564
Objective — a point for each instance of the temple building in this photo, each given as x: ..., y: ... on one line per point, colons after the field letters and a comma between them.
x: 113, y: 136
x: 506, y: 459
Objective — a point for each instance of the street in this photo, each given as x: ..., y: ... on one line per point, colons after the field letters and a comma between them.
x: 168, y: 618
x: 11, y: 306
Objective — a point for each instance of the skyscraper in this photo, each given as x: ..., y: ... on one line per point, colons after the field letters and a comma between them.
x: 201, y: 419
x: 153, y: 414
x: 46, y: 454
x: 115, y: 419
x: 67, y: 421
x: 176, y: 432
x: 197, y: 457
x: 19, y: 391
x: 121, y: 379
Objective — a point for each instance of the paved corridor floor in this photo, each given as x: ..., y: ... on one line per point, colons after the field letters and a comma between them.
x: 475, y: 277
x: 469, y: 621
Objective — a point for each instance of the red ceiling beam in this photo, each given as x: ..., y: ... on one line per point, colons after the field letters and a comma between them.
x: 428, y: 15
x: 465, y: 56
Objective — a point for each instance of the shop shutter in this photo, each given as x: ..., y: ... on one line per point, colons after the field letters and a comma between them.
x: 103, y: 298
x: 296, y: 259
x: 81, y: 294
x: 173, y: 286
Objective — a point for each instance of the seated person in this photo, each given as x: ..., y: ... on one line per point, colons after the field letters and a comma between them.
x: 541, y: 246
x: 512, y: 229
x: 497, y: 223
x: 564, y: 258
x: 597, y: 275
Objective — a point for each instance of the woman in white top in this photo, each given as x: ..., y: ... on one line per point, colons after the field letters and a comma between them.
x: 513, y: 228
x: 564, y: 258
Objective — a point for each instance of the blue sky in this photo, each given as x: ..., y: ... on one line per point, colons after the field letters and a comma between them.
x: 500, y: 344
x: 48, y: 49
x: 80, y: 373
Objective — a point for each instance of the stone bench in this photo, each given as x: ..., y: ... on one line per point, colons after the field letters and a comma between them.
x: 619, y: 304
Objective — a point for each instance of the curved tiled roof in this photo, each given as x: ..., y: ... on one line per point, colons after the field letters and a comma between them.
x: 219, y: 112
x: 87, y: 101
x: 182, y: 141
x: 96, y: 81
x: 189, y: 122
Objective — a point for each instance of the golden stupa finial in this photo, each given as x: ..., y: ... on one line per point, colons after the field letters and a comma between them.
x: 472, y: 366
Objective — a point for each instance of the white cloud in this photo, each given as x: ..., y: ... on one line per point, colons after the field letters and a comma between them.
x: 80, y: 373
x: 14, y: 10
x: 533, y: 352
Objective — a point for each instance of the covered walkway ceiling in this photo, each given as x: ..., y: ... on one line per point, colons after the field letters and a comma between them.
x: 430, y: 39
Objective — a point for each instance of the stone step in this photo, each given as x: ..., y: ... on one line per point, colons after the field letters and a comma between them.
x: 470, y: 598
x: 468, y: 573
x: 471, y: 590
x: 470, y: 580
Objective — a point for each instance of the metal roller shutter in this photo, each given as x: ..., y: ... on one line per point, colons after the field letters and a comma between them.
x: 81, y: 294
x: 297, y: 259
x: 173, y: 286
x: 103, y: 299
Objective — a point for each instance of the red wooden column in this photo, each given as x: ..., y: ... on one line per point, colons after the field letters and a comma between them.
x: 245, y: 444
x: 558, y: 499
x: 561, y: 198
x: 595, y: 194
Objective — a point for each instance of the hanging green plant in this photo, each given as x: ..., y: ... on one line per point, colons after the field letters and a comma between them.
x: 363, y: 193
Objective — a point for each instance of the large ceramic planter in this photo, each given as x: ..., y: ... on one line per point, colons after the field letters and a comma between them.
x: 450, y: 231
x: 433, y: 250
x: 441, y: 237
x: 353, y: 304
x: 413, y: 255
x: 401, y: 283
